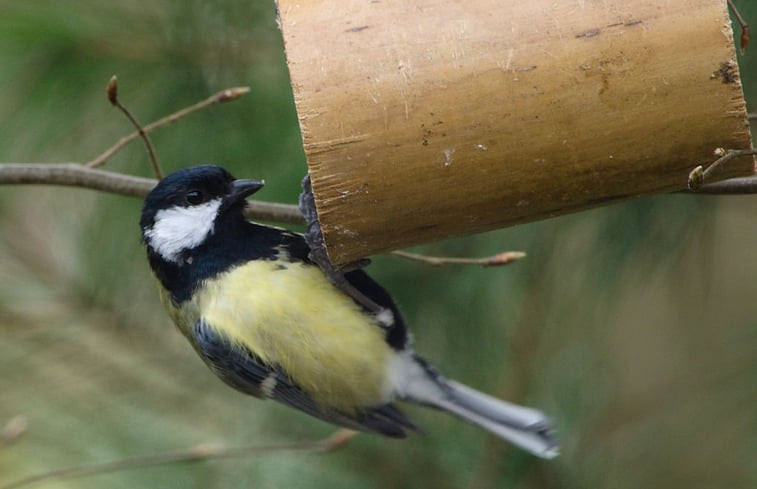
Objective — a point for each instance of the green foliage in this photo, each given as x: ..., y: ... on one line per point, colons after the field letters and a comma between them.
x: 634, y: 325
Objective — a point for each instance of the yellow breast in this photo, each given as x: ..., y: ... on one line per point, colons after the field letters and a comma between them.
x: 294, y: 318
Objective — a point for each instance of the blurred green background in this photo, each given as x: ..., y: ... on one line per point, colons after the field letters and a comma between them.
x: 634, y: 325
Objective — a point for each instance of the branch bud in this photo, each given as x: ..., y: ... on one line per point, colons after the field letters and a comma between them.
x: 231, y: 94
x: 744, y: 38
x: 112, y: 90
x: 696, y: 177
x: 504, y: 258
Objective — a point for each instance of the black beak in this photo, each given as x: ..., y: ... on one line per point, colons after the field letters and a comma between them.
x: 241, y: 189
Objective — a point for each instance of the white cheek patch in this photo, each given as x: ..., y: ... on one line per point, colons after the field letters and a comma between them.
x: 181, y: 228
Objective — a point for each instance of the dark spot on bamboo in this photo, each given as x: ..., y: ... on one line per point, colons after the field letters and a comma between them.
x: 727, y: 72
x: 358, y: 28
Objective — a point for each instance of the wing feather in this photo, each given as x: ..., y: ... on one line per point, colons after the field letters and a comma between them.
x: 243, y: 370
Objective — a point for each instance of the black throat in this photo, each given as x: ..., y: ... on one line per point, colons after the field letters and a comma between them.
x: 231, y: 245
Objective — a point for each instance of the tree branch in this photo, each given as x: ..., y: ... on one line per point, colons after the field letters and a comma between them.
x: 75, y: 175
x: 732, y: 186
x: 195, y: 454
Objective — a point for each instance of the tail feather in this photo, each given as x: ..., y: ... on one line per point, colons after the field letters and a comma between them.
x: 525, y: 427
x: 520, y: 417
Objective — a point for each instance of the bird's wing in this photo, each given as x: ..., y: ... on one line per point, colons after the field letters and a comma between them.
x: 244, y: 371
x: 297, y: 250
x: 396, y: 331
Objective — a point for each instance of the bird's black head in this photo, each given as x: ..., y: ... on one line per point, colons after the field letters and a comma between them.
x: 182, y: 211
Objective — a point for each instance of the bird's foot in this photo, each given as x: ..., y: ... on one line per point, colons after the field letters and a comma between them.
x: 319, y: 255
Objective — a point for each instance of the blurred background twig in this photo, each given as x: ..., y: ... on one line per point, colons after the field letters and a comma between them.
x: 195, y: 454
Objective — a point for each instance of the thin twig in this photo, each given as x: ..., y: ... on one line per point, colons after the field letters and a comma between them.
x: 744, y: 26
x: 112, y: 92
x: 751, y: 116
x: 499, y: 259
x: 76, y: 175
x: 699, y: 175
x: 273, y: 212
x: 725, y: 156
x: 217, y: 98
x: 195, y: 454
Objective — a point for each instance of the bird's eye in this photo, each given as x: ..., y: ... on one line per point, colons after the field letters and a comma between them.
x: 194, y: 197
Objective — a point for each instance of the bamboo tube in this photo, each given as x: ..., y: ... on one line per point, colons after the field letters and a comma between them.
x: 429, y: 119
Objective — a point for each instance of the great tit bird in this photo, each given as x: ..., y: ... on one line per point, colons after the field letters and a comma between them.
x: 267, y: 321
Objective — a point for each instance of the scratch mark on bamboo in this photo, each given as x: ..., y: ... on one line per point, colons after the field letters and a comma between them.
x: 588, y: 34
x: 325, y: 146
